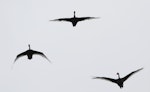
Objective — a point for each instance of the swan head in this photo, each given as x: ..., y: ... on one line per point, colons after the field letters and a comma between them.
x: 74, y: 13
x: 29, y: 46
x: 118, y: 75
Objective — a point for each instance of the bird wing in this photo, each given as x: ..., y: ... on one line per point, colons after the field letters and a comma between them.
x: 126, y: 77
x: 20, y: 55
x: 62, y: 19
x: 41, y: 54
x: 105, y: 78
x: 86, y: 18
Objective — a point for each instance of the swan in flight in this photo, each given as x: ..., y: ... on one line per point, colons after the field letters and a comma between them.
x: 30, y: 53
x: 119, y: 81
x: 74, y: 20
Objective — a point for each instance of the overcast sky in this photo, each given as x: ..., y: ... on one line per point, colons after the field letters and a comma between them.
x: 117, y: 42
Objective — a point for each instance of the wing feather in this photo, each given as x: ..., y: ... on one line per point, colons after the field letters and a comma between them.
x: 41, y: 54
x: 62, y: 19
x: 126, y: 77
x: 20, y: 55
x: 86, y: 18
x: 105, y: 78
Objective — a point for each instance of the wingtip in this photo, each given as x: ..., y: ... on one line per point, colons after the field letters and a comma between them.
x: 94, y: 17
x: 15, y: 60
x: 52, y: 20
x: 94, y: 77
x: 97, y: 17
x: 141, y: 68
x: 14, y: 63
x: 49, y: 60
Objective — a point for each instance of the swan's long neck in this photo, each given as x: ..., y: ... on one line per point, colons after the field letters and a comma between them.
x: 118, y: 75
x: 29, y: 46
x: 74, y: 14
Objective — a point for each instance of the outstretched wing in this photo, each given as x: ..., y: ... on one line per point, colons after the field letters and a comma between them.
x: 41, y: 54
x: 62, y: 19
x: 86, y: 18
x: 105, y: 78
x: 20, y: 55
x: 126, y: 77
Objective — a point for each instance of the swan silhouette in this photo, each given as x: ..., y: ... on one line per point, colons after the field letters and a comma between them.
x: 74, y: 20
x: 119, y: 81
x: 30, y: 53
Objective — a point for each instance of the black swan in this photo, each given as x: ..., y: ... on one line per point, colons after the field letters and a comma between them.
x: 30, y: 53
x: 74, y: 20
x: 119, y: 81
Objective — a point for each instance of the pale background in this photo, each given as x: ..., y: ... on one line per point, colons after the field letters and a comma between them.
x: 117, y: 42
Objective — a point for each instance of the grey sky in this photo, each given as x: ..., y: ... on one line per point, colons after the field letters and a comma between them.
x: 117, y: 42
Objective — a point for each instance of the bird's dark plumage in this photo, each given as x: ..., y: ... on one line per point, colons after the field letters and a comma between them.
x: 127, y: 76
x: 30, y: 53
x: 74, y: 20
x: 105, y: 78
x: 119, y: 81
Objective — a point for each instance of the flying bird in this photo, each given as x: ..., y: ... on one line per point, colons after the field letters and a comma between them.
x: 30, y: 53
x: 119, y: 81
x: 74, y: 20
